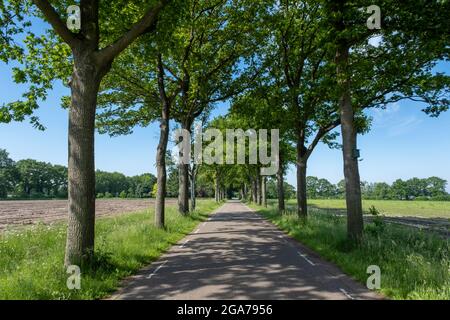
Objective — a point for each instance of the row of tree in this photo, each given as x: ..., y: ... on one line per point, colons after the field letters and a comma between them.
x: 305, y: 67
x: 35, y: 179
x: 324, y: 68
x: 432, y: 188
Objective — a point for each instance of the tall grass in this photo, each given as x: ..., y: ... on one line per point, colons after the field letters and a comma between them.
x: 414, y: 264
x: 31, y: 259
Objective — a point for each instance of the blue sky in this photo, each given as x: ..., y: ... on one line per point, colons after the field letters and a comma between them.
x: 403, y: 142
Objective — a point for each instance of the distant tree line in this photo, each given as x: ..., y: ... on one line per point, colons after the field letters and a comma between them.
x: 432, y: 188
x: 38, y: 180
x: 289, y: 190
x: 115, y: 184
x: 35, y: 179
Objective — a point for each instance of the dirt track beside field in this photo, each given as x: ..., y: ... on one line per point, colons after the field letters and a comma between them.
x: 28, y: 212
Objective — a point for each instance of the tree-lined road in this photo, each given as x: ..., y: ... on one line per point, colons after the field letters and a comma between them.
x: 237, y: 254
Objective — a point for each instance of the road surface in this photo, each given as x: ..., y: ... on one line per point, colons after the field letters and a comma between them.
x: 237, y: 254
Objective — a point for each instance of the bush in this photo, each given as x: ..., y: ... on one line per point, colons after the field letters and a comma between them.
x: 123, y: 195
x: 422, y: 198
x: 100, y: 195
x: 374, y: 211
x: 108, y: 195
x: 37, y: 195
x: 444, y: 197
x: 377, y: 225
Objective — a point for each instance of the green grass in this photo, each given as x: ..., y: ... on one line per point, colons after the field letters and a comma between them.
x: 414, y: 264
x: 31, y: 259
x: 425, y: 209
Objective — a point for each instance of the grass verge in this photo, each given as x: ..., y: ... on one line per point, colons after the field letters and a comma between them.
x: 414, y: 264
x: 31, y: 260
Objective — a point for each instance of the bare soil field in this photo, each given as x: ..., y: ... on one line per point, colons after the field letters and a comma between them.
x: 28, y: 212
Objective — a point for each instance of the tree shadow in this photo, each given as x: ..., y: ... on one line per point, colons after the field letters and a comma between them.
x: 239, y: 255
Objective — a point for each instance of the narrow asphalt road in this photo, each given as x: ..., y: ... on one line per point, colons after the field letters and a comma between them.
x: 237, y: 254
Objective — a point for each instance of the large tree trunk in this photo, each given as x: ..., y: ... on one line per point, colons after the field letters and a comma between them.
x: 301, y: 189
x: 355, y: 222
x: 193, y: 195
x: 183, y: 188
x: 183, y: 178
x: 258, y: 189
x: 216, y: 189
x: 280, y: 187
x: 161, y: 172
x: 245, y: 191
x: 263, y: 191
x: 254, y: 191
x: 81, y: 165
x: 162, y: 149
x: 302, y: 206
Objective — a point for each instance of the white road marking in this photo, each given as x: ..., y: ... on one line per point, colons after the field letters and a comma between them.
x: 156, y: 270
x: 306, y: 258
x: 184, y: 243
x: 346, y: 294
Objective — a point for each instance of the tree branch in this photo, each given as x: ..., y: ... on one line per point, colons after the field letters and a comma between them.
x: 320, y: 134
x: 108, y: 53
x: 55, y: 21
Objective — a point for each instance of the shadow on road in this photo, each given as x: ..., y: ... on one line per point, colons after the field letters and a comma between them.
x: 238, y: 255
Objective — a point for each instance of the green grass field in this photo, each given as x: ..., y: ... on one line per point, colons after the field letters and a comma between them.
x: 414, y: 264
x: 424, y: 209
x: 31, y: 259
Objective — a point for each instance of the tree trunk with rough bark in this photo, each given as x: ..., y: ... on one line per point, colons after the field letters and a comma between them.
x: 81, y: 165
x: 302, y: 206
x: 263, y: 191
x: 252, y: 190
x: 301, y: 189
x: 183, y: 186
x: 355, y: 224
x: 193, y: 178
x: 258, y: 189
x: 161, y: 150
x: 245, y: 191
x: 280, y: 187
x: 216, y: 189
